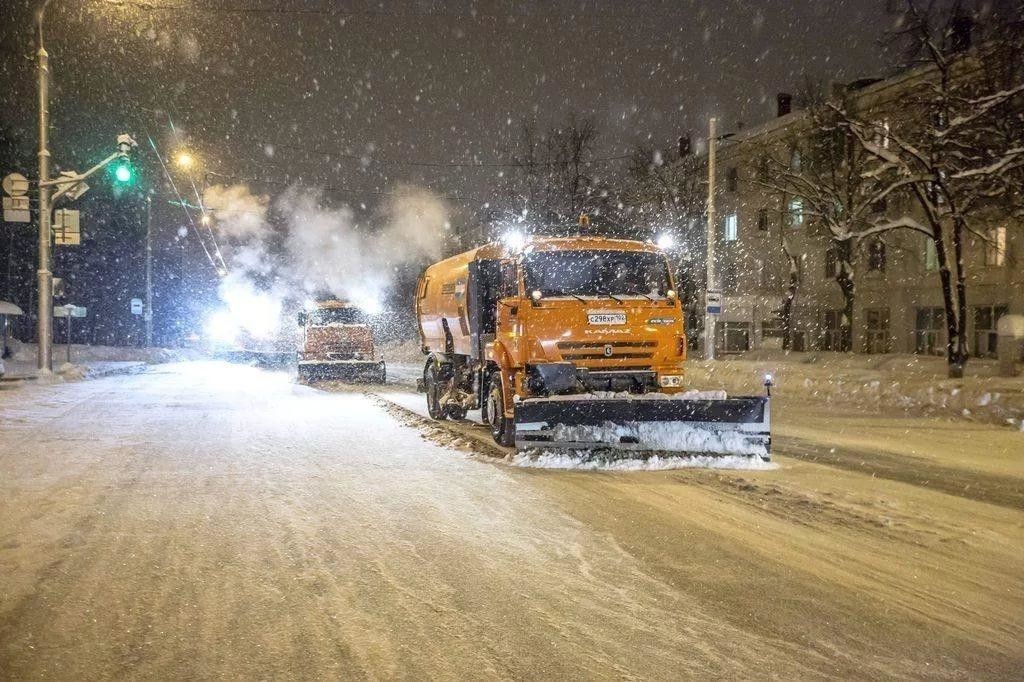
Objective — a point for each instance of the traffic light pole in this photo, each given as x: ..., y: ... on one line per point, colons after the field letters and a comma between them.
x: 44, y: 324
x: 148, y: 313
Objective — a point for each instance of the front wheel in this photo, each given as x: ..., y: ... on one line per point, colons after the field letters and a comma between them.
x: 502, y: 428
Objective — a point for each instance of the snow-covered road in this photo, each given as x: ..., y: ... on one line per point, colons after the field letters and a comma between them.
x: 208, y: 520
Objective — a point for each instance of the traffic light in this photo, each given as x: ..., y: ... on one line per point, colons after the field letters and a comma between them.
x: 124, y: 172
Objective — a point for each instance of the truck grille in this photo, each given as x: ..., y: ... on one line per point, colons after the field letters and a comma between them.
x: 595, y: 350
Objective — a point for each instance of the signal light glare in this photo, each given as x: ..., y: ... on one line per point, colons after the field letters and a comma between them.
x: 123, y: 172
x: 665, y: 242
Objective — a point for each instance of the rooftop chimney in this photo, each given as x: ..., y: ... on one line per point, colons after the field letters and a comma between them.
x: 785, y: 102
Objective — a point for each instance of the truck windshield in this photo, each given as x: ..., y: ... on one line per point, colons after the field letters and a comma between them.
x: 324, y: 316
x: 596, y: 273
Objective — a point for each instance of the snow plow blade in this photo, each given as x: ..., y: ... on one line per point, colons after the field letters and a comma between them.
x: 348, y: 371
x: 656, y: 424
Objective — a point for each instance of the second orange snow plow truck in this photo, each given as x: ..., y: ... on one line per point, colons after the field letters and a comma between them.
x: 337, y: 344
x: 573, y: 343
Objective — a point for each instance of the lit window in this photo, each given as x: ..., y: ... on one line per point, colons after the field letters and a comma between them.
x: 995, y: 246
x: 796, y: 212
x: 732, y: 227
x: 931, y: 256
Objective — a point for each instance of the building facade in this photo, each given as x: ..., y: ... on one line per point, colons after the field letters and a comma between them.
x: 767, y: 240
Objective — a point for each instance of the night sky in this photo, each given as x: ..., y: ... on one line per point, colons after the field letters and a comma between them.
x: 357, y: 102
x: 346, y: 99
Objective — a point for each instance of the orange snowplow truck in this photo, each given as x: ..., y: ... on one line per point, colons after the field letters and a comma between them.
x: 573, y: 342
x: 337, y: 345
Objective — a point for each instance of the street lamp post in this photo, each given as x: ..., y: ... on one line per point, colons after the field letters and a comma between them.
x: 712, y: 275
x: 44, y: 325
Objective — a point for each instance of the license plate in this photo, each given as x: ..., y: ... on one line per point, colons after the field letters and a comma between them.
x: 606, y: 318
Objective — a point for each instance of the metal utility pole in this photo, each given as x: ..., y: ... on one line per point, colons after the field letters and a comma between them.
x: 712, y: 276
x: 148, y: 314
x: 44, y: 325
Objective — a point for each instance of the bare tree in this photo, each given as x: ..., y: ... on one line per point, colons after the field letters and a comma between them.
x: 554, y: 177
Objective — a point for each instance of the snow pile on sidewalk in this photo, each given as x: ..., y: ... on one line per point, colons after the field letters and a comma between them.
x: 590, y: 461
x: 909, y: 384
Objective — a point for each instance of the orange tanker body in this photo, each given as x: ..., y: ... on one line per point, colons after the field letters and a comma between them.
x: 573, y: 342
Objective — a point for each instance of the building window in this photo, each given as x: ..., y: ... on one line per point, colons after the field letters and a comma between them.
x: 764, y: 279
x: 929, y: 338
x: 831, y: 263
x: 882, y: 133
x: 763, y: 172
x: 795, y: 162
x: 762, y: 220
x: 732, y: 227
x: 986, y: 317
x: 995, y: 246
x: 832, y: 330
x: 796, y: 212
x: 876, y: 255
x: 732, y: 179
x: 876, y: 338
x: 931, y: 255
x: 734, y: 337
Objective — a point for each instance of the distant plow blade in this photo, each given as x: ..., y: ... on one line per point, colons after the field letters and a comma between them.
x: 347, y: 371
x: 647, y: 425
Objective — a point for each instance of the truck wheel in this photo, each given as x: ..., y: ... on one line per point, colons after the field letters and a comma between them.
x: 433, y: 390
x: 456, y: 412
x: 502, y: 428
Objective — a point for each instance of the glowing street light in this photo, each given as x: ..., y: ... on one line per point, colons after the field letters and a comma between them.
x: 184, y: 160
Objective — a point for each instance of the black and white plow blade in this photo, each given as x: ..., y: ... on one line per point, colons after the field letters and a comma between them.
x: 647, y: 424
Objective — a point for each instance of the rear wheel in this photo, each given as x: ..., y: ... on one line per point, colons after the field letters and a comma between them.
x: 502, y: 428
x: 432, y: 383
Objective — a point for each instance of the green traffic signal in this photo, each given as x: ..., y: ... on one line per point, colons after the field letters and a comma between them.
x: 124, y: 173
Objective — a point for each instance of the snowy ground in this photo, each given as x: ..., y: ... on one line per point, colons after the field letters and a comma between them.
x: 209, y: 520
x: 87, y: 362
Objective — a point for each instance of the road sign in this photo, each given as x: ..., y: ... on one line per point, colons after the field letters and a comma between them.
x: 137, y: 306
x: 16, y: 210
x: 714, y: 302
x: 72, y: 185
x: 69, y: 311
x: 15, y: 184
x: 66, y: 227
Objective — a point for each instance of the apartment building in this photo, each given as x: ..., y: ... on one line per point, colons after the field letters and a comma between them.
x: 898, y: 303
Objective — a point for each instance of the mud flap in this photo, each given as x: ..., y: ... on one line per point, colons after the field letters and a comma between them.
x: 349, y: 371
x: 647, y: 424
